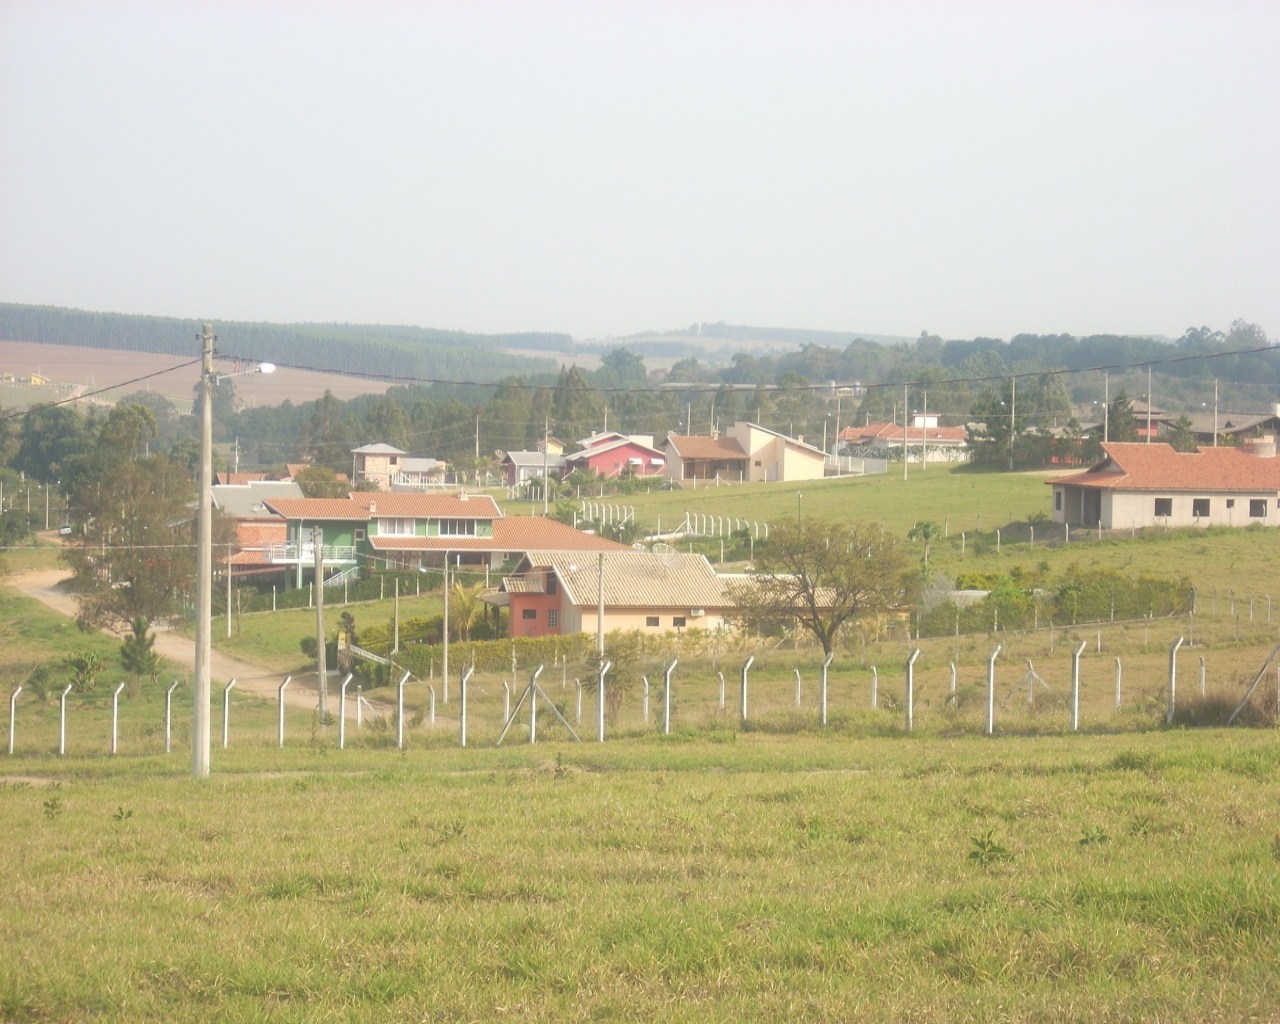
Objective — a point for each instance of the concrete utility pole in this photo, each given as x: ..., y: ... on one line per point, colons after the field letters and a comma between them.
x: 322, y: 669
x: 600, y: 604
x: 204, y: 566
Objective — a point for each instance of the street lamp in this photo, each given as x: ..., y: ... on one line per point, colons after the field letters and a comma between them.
x: 204, y: 554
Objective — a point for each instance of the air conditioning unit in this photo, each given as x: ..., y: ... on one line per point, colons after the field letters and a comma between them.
x: 697, y: 613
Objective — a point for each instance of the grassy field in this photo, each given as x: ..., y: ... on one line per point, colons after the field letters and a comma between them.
x: 743, y: 877
x: 730, y: 871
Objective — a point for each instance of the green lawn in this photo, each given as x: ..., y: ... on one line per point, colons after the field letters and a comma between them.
x: 741, y: 877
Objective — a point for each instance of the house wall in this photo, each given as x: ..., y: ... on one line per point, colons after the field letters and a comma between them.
x: 1124, y: 510
x: 584, y: 619
x: 539, y: 605
x: 617, y: 462
x: 802, y: 465
x: 762, y: 461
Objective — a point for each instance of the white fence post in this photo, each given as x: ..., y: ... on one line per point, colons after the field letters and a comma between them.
x: 721, y: 675
x: 1075, y: 685
x: 62, y: 721
x: 822, y: 699
x: 1117, y: 684
x: 168, y: 716
x: 875, y: 687
x: 797, y: 687
x: 1173, y: 680
x: 533, y: 705
x: 115, y: 718
x: 462, y: 710
x: 911, y: 688
x: 604, y: 671
x: 342, y: 712
x: 991, y: 690
x: 742, y: 696
x: 13, y: 709
x: 645, y: 704
x: 280, y: 702
x: 226, y: 711
x: 666, y: 697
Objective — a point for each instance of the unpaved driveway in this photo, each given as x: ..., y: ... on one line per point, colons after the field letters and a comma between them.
x: 45, y: 586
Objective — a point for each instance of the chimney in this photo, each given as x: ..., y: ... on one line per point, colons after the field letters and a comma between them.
x: 373, y: 507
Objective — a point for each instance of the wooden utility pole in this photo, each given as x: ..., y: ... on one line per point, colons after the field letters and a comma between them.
x: 322, y: 670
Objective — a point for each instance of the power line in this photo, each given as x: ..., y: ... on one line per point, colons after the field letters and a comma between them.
x: 97, y: 391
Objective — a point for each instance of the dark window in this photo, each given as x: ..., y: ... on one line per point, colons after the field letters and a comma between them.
x: 1057, y: 501
x: 678, y: 621
x: 1257, y: 508
x: 1231, y: 503
x: 529, y: 613
x: 1164, y: 508
x: 552, y: 584
x: 651, y: 620
x: 1199, y: 506
x: 359, y: 534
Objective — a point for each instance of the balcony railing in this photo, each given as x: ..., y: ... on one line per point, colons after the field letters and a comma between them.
x: 290, y: 554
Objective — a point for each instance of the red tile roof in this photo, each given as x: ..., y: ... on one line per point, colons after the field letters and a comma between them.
x: 702, y: 446
x: 365, y: 505
x: 893, y: 432
x: 1158, y: 467
x: 419, y: 505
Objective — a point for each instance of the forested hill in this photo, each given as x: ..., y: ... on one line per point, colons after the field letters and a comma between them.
x: 346, y: 348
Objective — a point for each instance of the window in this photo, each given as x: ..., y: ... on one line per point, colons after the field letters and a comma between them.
x: 1257, y: 508
x: 1199, y: 507
x: 553, y: 585
x: 359, y: 534
x: 457, y: 527
x: 651, y: 620
x: 1057, y: 501
x: 553, y: 617
x: 395, y: 527
x: 1231, y: 503
x: 678, y: 621
x: 1164, y: 508
x: 529, y: 613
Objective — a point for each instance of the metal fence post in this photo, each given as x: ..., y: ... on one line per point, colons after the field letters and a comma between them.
x: 1075, y: 685
x: 822, y: 699
x: 280, y: 702
x: 115, y: 718
x: 462, y: 709
x: 226, y: 711
x: 342, y: 712
x: 991, y: 690
x: 62, y: 721
x: 742, y: 697
x: 1173, y: 680
x: 666, y: 697
x: 604, y: 670
x: 168, y: 716
x: 911, y: 688
x: 13, y: 710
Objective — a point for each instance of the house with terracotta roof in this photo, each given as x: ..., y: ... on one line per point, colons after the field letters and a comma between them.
x: 1150, y: 484
x: 745, y: 453
x: 696, y: 457
x: 923, y: 438
x: 415, y: 530
x: 557, y: 593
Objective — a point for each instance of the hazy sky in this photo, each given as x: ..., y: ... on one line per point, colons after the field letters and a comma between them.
x: 603, y: 168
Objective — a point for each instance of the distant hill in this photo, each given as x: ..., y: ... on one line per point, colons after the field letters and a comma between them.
x: 380, y: 350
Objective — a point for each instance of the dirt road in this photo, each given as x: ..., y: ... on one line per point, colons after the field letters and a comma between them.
x: 45, y: 586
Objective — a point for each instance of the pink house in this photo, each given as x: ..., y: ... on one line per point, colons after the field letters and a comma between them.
x: 614, y: 455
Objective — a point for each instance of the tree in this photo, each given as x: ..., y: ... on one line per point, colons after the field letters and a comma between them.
x: 823, y: 576
x: 321, y: 482
x: 135, y: 555
x: 927, y: 531
x: 137, y: 651
x: 1181, y: 437
x: 1122, y: 425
